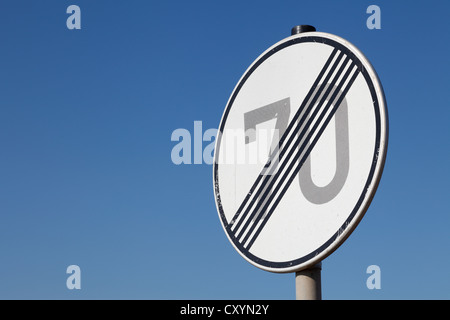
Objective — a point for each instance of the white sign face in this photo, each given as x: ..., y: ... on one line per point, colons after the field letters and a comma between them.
x: 300, y: 151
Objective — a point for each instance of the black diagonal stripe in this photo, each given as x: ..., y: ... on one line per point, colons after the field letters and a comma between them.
x: 298, y: 154
x: 285, y: 135
x: 268, y: 179
x: 281, y: 142
x: 299, y: 166
x: 269, y: 189
x: 268, y: 197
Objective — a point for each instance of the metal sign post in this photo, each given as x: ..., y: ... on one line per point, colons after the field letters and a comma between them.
x: 299, y: 154
x: 308, y: 283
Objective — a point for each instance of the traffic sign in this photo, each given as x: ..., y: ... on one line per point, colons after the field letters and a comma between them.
x: 312, y: 107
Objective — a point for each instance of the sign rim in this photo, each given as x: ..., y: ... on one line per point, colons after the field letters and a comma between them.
x: 374, y: 175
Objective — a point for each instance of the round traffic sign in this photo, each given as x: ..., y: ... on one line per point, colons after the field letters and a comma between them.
x: 300, y: 151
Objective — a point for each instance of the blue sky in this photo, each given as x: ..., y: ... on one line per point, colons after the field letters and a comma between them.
x: 86, y: 176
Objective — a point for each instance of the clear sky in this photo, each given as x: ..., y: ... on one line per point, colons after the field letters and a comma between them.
x: 86, y: 176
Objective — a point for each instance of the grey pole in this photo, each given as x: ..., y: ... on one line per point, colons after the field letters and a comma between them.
x: 302, y: 28
x: 308, y: 284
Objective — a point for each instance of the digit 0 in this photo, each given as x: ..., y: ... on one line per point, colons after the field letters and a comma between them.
x: 321, y: 195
